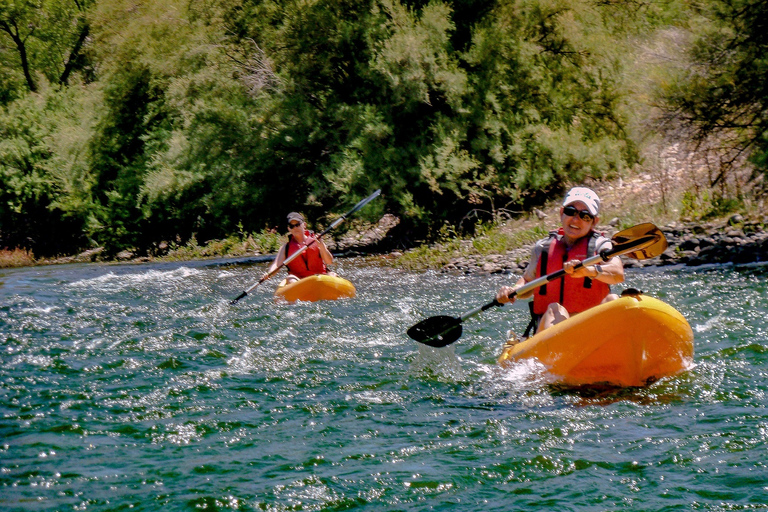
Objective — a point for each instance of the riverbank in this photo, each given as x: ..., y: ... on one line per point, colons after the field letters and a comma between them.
x: 363, y: 239
x: 732, y: 240
x: 693, y: 244
x: 699, y: 231
x: 500, y: 248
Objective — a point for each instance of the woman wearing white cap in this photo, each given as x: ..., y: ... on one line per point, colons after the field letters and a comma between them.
x: 314, y: 260
x: 576, y: 240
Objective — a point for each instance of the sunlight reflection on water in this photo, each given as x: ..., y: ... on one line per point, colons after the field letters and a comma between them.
x: 131, y: 385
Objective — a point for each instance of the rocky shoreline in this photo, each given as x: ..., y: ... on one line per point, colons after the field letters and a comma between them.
x: 734, y: 240
x: 692, y: 244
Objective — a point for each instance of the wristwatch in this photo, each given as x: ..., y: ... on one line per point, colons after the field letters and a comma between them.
x: 598, y: 269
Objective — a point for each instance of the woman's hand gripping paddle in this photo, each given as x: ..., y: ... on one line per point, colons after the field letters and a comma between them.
x: 296, y: 254
x: 639, y: 242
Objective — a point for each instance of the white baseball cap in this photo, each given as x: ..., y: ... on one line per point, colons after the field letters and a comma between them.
x: 586, y: 196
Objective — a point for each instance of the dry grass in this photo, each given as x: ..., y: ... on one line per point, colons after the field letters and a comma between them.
x: 16, y: 258
x: 667, y: 188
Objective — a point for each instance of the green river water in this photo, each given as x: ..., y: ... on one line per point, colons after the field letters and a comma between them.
x: 138, y: 387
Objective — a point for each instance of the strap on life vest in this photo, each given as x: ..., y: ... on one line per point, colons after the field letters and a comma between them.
x: 543, y: 261
x: 534, y: 321
x: 544, y: 257
x: 303, y: 256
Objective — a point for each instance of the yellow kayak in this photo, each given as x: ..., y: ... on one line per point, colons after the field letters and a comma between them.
x: 314, y: 288
x: 631, y: 341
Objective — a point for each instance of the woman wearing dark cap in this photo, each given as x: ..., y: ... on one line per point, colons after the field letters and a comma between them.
x: 312, y: 261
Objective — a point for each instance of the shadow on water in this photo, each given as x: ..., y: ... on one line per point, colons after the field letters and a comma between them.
x: 608, y: 395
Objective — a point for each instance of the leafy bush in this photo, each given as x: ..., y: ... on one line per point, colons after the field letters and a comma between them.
x: 704, y: 205
x: 40, y: 207
x: 265, y: 242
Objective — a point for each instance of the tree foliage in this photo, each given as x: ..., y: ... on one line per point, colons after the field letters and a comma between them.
x: 129, y: 123
x: 723, y: 96
x: 34, y: 179
x: 41, y: 39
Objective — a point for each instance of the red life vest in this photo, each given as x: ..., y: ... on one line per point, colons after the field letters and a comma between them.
x: 575, y: 294
x: 308, y: 263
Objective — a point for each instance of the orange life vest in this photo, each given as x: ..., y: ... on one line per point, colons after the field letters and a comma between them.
x: 308, y: 263
x: 575, y: 294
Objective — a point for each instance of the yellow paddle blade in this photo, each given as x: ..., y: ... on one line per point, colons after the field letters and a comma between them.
x: 645, y: 241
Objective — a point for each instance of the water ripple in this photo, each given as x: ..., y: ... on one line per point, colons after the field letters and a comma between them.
x: 139, y: 386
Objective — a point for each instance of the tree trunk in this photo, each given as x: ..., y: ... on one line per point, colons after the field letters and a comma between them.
x: 13, y: 31
x: 74, y: 54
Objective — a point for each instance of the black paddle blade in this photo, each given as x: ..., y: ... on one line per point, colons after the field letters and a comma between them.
x: 645, y: 240
x: 436, y: 331
x: 234, y: 301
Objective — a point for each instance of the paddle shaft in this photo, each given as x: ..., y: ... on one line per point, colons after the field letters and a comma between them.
x: 603, y: 256
x: 639, y: 242
x: 300, y: 251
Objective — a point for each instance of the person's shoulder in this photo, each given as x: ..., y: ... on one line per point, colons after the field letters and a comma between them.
x: 542, y: 243
x: 601, y: 241
x: 600, y: 236
x: 552, y: 235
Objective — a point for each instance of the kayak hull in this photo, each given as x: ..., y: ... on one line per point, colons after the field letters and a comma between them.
x: 628, y: 342
x: 314, y: 288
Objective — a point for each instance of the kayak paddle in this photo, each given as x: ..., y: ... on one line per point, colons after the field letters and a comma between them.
x: 296, y: 254
x: 639, y: 242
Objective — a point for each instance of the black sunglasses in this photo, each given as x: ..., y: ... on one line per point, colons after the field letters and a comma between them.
x: 583, y: 214
x: 292, y: 225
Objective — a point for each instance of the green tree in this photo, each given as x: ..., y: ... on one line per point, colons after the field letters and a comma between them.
x: 41, y: 207
x: 159, y: 79
x: 530, y: 104
x: 16, y: 23
x: 545, y: 97
x: 208, y: 116
x: 43, y: 37
x: 134, y: 108
x: 723, y: 96
x: 310, y: 61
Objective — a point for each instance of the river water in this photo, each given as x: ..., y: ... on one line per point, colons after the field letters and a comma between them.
x: 138, y: 387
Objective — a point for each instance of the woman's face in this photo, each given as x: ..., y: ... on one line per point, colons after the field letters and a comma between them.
x: 579, y: 223
x: 295, y: 226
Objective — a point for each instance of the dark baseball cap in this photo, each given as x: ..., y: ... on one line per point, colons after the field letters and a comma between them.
x: 295, y: 216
